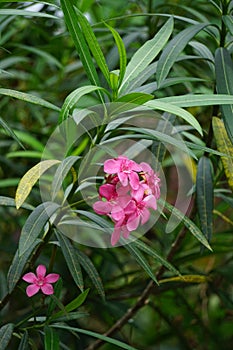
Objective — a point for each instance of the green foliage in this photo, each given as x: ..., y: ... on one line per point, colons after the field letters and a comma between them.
x: 82, y: 81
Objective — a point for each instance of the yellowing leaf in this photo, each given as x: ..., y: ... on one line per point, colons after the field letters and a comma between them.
x: 29, y: 180
x: 224, y: 145
x: 186, y: 279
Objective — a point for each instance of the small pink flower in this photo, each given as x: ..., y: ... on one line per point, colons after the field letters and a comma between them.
x: 40, y: 281
x: 126, y: 170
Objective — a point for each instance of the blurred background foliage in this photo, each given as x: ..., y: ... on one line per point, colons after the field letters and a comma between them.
x: 37, y: 56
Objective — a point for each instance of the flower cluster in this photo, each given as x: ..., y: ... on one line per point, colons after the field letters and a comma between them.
x: 40, y: 281
x: 129, y: 191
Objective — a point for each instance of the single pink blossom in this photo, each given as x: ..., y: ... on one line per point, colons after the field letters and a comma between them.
x: 126, y: 170
x: 40, y: 281
x: 137, y: 211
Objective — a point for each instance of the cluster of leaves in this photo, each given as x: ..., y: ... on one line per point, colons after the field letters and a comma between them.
x: 170, y: 58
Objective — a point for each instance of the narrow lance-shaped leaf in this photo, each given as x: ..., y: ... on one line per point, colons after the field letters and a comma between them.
x: 73, y: 98
x: 11, y: 132
x: 171, y: 108
x: 71, y: 257
x: 141, y: 260
x: 34, y: 225
x: 146, y: 54
x: 29, y: 98
x: 205, y: 198
x: 71, y: 19
x: 6, y: 332
x: 93, y: 44
x: 51, y: 339
x: 224, y: 145
x: 93, y: 274
x: 24, y: 343
x: 122, y: 53
x: 197, y: 100
x: 174, y: 48
x: 188, y: 223
x: 30, y: 178
x: 224, y: 85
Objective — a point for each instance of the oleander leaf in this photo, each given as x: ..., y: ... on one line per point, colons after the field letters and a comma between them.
x: 51, y: 339
x: 224, y: 85
x: 6, y: 332
x: 205, y: 197
x: 224, y: 145
x: 30, y: 178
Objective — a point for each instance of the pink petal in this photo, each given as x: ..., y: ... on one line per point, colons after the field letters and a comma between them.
x: 29, y: 277
x: 132, y: 223
x: 102, y: 208
x: 107, y: 191
x: 139, y: 193
x: 41, y: 271
x: 146, y: 167
x: 47, y: 289
x: 150, y: 202
x: 134, y: 166
x: 32, y: 290
x: 52, y: 278
x: 117, y: 213
x: 125, y: 231
x: 145, y: 215
x: 134, y: 180
x: 123, y: 178
x: 130, y: 208
x: 115, y: 236
x: 112, y: 166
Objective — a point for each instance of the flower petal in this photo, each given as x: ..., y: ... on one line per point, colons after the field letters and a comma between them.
x: 32, y: 290
x: 112, y: 166
x: 115, y: 236
x: 29, y: 277
x: 132, y: 223
x: 47, y: 289
x: 134, y: 180
x: 102, y: 208
x: 52, y: 278
x: 150, y: 202
x: 107, y: 191
x: 145, y: 215
x: 41, y: 271
x: 123, y: 178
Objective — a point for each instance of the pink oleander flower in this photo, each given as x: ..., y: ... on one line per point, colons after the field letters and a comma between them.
x: 126, y: 170
x: 40, y: 281
x: 129, y: 191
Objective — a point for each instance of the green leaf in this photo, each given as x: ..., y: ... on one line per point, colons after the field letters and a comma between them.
x: 72, y: 316
x: 188, y: 223
x: 15, y: 12
x: 30, y: 178
x: 138, y: 98
x: 147, y: 53
x: 93, y: 44
x: 205, y: 198
x: 24, y: 343
x: 71, y: 19
x: 18, y: 264
x: 6, y: 332
x: 10, y: 202
x: 148, y: 250
x: 174, y: 48
x: 122, y: 53
x: 171, y: 108
x: 191, y: 100
x: 224, y: 145
x: 74, y: 304
x: 96, y: 335
x: 51, y: 339
x: 228, y: 21
x: 61, y: 173
x: 73, y: 98
x: 11, y: 132
x: 93, y: 274
x: 29, y: 140
x: 34, y: 225
x: 224, y: 85
x: 135, y: 252
x: 70, y: 254
x: 28, y: 98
